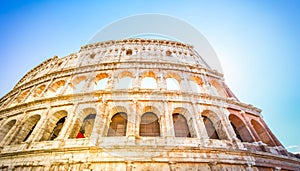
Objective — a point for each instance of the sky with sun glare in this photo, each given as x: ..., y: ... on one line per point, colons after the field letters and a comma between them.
x: 257, y: 42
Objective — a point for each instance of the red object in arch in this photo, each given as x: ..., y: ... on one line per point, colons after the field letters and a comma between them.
x: 80, y: 135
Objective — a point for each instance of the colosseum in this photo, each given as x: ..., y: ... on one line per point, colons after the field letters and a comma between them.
x: 135, y: 105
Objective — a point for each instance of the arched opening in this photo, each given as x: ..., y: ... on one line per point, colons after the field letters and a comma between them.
x: 172, y: 84
x: 56, y: 88
x: 149, y: 125
x: 22, y: 96
x: 124, y: 83
x: 39, y: 90
x: 6, y: 128
x: 26, y: 129
x: 240, y: 129
x: 196, y: 83
x: 195, y: 87
x: 54, y: 125
x: 118, y: 125
x: 217, y: 88
x: 210, y: 128
x: 149, y: 80
x: 262, y: 133
x: 148, y: 83
x: 125, y: 79
x: 181, y: 128
x: 87, y: 126
x: 101, y: 82
x: 79, y: 84
x: 57, y: 128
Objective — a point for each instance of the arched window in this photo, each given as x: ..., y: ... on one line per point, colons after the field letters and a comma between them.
x: 118, y: 125
x: 210, y: 128
x: 87, y: 126
x: 57, y: 128
x: 56, y: 88
x: 240, y: 129
x: 22, y: 97
x: 6, y: 128
x: 79, y: 86
x: 124, y: 83
x: 54, y: 125
x: 217, y: 88
x: 262, y: 133
x: 237, y: 133
x: 195, y: 87
x: 172, y: 84
x: 149, y: 126
x: 149, y: 83
x: 26, y: 129
x: 100, y: 81
x: 101, y: 84
x: 181, y: 128
x: 196, y: 83
x: 39, y: 90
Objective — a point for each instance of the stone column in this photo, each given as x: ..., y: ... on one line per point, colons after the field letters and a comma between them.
x: 172, y: 166
x: 129, y: 166
x: 46, y: 88
x: 197, y: 126
x: 68, y: 124
x: 162, y: 84
x: 131, y: 121
x: 169, y: 132
x: 231, y: 135
x: 136, y: 80
x: 213, y: 166
x: 202, y: 133
x: 101, y: 121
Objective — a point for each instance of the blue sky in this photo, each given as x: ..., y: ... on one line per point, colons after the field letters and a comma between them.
x: 258, y: 44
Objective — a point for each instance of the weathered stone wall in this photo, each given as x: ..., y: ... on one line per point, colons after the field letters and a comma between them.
x: 58, y: 117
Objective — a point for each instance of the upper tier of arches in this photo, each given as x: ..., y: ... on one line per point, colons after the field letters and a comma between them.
x: 121, y: 80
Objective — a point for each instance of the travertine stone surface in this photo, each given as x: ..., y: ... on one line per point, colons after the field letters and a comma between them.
x: 131, y: 105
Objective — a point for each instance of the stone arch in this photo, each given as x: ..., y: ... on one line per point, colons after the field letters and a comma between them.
x: 21, y: 97
x: 117, y: 109
x: 118, y: 124
x: 6, y: 128
x: 188, y: 119
x: 180, y: 125
x: 240, y: 128
x: 217, y: 86
x: 56, y: 87
x: 78, y: 83
x: 150, y: 122
x: 213, y: 124
x: 149, y: 80
x: 26, y: 129
x: 173, y: 81
x: 84, y: 123
x: 196, y: 84
x: 152, y: 109
x: 125, y: 80
x: 38, y: 91
x: 262, y: 133
x: 54, y: 125
x: 100, y: 81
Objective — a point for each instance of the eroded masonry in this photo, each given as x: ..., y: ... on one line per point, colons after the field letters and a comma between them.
x: 134, y: 104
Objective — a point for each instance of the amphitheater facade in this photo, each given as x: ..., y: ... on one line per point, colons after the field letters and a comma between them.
x: 133, y: 104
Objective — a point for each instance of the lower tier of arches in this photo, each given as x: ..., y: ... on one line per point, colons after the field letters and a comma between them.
x: 144, y: 157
